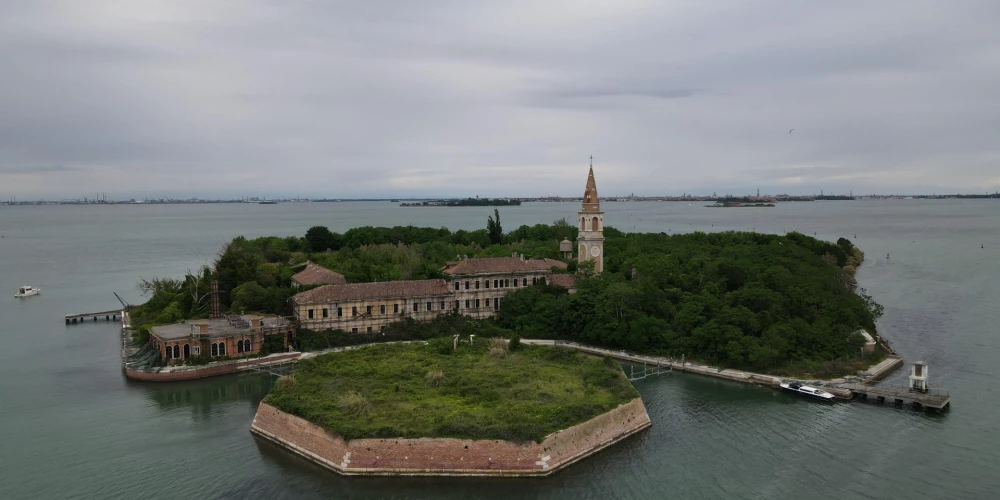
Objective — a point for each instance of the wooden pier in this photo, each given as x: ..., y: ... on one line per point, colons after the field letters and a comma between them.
x: 932, y: 399
x: 115, y: 315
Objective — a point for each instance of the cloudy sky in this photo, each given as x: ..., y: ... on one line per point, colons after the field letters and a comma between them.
x: 454, y: 98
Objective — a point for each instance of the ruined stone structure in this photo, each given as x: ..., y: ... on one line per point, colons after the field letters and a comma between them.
x: 447, y: 456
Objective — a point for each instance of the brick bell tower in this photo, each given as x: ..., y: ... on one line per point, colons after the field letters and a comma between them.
x: 591, y: 222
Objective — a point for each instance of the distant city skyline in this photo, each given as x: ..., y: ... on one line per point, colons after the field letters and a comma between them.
x: 451, y: 99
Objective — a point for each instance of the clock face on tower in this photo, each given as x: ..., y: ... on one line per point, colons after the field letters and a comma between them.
x: 595, y: 251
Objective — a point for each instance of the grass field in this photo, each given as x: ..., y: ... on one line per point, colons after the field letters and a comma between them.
x: 480, y: 391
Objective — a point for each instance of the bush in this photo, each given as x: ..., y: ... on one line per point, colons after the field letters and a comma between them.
x: 515, y: 342
x: 497, y: 348
x: 434, y: 378
x: 353, y: 403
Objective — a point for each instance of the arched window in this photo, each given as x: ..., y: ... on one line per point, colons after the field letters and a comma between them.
x: 222, y: 348
x: 582, y: 227
x: 187, y: 351
x: 177, y: 351
x: 239, y: 346
x: 246, y: 345
x: 594, y: 222
x: 215, y: 350
x: 170, y: 352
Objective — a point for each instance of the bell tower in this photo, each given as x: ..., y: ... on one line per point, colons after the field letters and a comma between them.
x: 591, y: 223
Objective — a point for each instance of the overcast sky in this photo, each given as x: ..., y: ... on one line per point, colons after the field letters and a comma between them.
x: 452, y: 98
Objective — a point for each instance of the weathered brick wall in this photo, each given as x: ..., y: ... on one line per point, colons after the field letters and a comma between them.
x: 449, y: 456
x: 571, y: 444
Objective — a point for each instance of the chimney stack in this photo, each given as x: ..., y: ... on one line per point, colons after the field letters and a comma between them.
x: 215, y: 300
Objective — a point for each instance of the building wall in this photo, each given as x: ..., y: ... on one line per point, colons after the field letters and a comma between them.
x: 445, y: 456
x: 376, y: 320
x: 205, y: 346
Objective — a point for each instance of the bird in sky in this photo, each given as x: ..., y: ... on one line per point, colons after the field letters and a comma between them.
x: 790, y: 131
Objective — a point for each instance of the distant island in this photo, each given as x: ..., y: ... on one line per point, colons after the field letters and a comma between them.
x: 738, y: 204
x: 468, y: 202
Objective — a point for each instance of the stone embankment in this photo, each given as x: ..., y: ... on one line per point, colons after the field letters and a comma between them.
x: 833, y: 386
x: 182, y: 372
x: 447, y: 456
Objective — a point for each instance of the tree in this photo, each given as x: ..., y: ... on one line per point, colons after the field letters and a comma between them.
x: 494, y: 229
x: 319, y: 239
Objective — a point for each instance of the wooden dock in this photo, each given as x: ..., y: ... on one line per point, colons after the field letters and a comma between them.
x: 115, y: 315
x: 932, y: 399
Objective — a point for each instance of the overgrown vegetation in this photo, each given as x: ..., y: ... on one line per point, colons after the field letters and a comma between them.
x: 419, y: 390
x: 748, y: 300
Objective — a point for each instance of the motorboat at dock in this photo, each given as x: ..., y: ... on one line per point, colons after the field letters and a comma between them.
x: 807, y: 391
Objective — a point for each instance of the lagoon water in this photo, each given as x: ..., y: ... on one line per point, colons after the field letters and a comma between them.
x: 71, y: 426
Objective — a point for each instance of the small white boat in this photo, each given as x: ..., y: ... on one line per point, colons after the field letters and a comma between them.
x: 27, y: 291
x: 807, y: 391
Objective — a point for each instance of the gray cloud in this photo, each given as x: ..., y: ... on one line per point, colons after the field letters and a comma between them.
x: 390, y: 98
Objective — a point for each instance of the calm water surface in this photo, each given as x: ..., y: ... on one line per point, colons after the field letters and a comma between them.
x: 71, y: 426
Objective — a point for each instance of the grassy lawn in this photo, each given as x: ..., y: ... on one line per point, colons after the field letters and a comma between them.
x: 476, y: 392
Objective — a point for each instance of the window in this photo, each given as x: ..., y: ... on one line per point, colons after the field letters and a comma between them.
x: 170, y: 352
x: 340, y: 312
x: 354, y: 310
x: 506, y: 283
x: 594, y: 223
x: 222, y: 349
x: 515, y: 282
x: 442, y: 305
x: 582, y: 227
x: 368, y: 310
x: 496, y: 304
x: 477, y: 303
x: 395, y: 308
x: 458, y: 286
x: 247, y: 345
x: 487, y: 283
x: 487, y: 302
x: 310, y: 313
x: 326, y: 313
x: 466, y: 284
x: 354, y: 330
x: 416, y: 307
x: 496, y: 283
x: 428, y: 306
x: 466, y: 303
x: 369, y: 329
x: 457, y: 305
x: 187, y: 351
x: 524, y: 282
x: 477, y: 284
x: 215, y: 350
x: 177, y: 350
x: 381, y: 309
x: 239, y: 346
x: 534, y: 280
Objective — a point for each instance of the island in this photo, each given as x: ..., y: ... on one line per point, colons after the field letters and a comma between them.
x: 451, y: 406
x: 468, y: 202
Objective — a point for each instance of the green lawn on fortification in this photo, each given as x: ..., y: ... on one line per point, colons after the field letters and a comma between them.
x: 429, y: 390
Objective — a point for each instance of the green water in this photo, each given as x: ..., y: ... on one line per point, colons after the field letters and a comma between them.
x: 71, y: 426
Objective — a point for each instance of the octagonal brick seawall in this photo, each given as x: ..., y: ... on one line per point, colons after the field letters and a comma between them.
x: 448, y: 456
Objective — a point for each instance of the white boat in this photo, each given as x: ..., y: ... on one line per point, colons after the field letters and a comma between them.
x: 807, y: 391
x: 27, y: 291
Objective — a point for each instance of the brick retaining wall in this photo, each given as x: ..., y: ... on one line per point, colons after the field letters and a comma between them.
x: 446, y: 456
x: 172, y: 374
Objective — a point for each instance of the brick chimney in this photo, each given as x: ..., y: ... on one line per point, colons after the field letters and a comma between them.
x: 214, y: 313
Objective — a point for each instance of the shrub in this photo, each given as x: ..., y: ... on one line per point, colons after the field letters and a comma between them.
x: 515, y: 342
x: 434, y: 378
x: 354, y: 403
x: 497, y: 348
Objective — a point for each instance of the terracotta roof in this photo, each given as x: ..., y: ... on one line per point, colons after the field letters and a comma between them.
x: 491, y: 265
x: 318, y: 275
x: 566, y: 280
x: 362, y: 291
